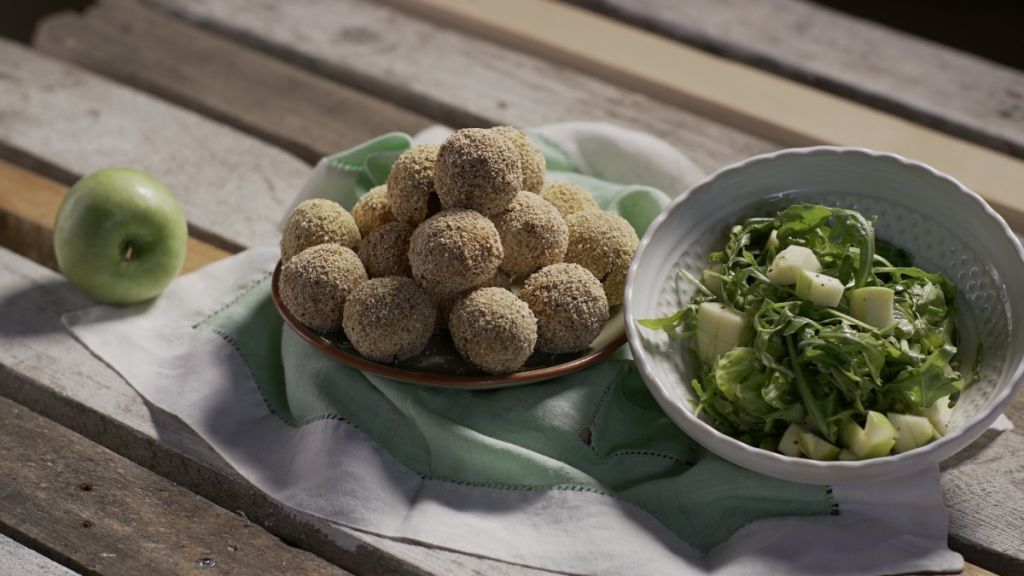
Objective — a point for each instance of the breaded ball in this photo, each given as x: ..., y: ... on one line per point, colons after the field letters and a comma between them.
x: 531, y: 159
x: 410, y: 186
x: 533, y: 234
x: 493, y: 330
x: 477, y: 169
x: 389, y: 319
x: 385, y: 251
x: 445, y: 302
x: 501, y: 279
x: 568, y: 198
x: 454, y: 250
x: 318, y: 221
x: 315, y: 284
x: 603, y: 243
x: 569, y: 304
x: 373, y: 210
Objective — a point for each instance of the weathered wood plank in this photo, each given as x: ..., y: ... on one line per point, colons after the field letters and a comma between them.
x: 758, y: 102
x: 294, y: 109
x: 100, y: 513
x: 28, y: 208
x: 446, y: 75
x: 228, y: 182
x: 17, y: 559
x: 983, y: 486
x: 922, y: 80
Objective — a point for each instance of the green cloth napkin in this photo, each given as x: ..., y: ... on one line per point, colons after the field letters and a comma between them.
x: 597, y: 430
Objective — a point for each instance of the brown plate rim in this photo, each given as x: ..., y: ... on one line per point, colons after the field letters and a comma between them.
x: 460, y: 381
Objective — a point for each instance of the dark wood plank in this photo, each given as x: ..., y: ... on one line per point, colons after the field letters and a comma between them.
x: 100, y: 513
x: 17, y: 559
x: 294, y: 109
x: 924, y: 81
x: 458, y: 79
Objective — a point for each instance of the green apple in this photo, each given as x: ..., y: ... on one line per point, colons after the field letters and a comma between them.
x: 120, y: 236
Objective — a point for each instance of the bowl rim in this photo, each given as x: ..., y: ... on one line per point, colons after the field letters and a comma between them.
x: 803, y: 469
x: 481, y: 381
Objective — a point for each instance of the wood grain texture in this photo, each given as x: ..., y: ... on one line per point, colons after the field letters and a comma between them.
x: 43, y: 368
x: 772, y: 107
x: 294, y: 109
x: 983, y: 486
x: 100, y: 513
x: 17, y: 559
x: 28, y: 209
x: 449, y: 76
x: 228, y: 182
x: 924, y: 81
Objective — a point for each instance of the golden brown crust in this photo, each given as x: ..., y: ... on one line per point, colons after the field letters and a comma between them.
x: 318, y: 221
x: 385, y: 251
x: 454, y: 250
x: 315, y: 284
x: 533, y: 234
x: 410, y: 186
x: 373, y: 210
x: 477, y: 169
x: 569, y: 304
x: 603, y: 243
x: 567, y: 197
x: 389, y: 319
x: 493, y: 330
x: 531, y: 159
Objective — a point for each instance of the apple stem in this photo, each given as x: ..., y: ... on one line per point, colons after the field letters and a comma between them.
x: 128, y: 249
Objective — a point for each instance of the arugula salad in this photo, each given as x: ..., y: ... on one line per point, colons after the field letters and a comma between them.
x: 815, y: 339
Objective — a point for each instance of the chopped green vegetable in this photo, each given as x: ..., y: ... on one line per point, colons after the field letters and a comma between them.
x: 861, y: 334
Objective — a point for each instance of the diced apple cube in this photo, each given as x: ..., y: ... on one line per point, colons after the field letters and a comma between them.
x: 788, y: 262
x: 872, y: 305
x: 719, y: 329
x: 912, y: 431
x: 818, y: 288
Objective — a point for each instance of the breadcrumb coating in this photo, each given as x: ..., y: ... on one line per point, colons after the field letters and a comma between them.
x: 454, y: 250
x: 568, y: 198
x: 315, y: 284
x: 373, y: 210
x: 531, y: 159
x: 410, y: 186
x: 533, y: 234
x: 389, y: 319
x: 569, y: 304
x: 385, y: 251
x: 493, y: 330
x: 603, y: 243
x: 318, y: 221
x: 477, y: 169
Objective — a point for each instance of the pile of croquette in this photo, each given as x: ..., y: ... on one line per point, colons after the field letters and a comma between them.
x: 439, y: 248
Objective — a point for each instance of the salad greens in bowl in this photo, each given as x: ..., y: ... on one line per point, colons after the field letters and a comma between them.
x: 829, y: 314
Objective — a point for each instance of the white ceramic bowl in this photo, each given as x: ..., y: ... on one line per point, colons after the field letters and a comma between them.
x: 945, y: 226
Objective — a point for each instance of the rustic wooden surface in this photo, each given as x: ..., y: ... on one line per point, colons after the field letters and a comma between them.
x: 103, y: 514
x: 924, y: 81
x: 17, y: 559
x: 446, y: 75
x: 760, y: 103
x: 287, y: 106
x: 79, y: 122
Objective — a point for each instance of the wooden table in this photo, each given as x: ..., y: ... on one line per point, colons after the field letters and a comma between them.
x: 230, y: 101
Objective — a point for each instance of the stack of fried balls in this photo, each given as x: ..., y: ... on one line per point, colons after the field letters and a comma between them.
x: 440, y: 246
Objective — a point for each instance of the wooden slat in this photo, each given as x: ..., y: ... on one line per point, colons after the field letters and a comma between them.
x: 99, y: 513
x: 28, y: 207
x: 772, y: 107
x: 446, y: 75
x: 924, y: 81
x: 231, y: 185
x: 299, y: 111
x: 17, y: 559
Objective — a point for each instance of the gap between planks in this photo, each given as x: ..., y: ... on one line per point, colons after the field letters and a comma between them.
x: 28, y: 207
x: 98, y: 513
x: 763, y: 104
